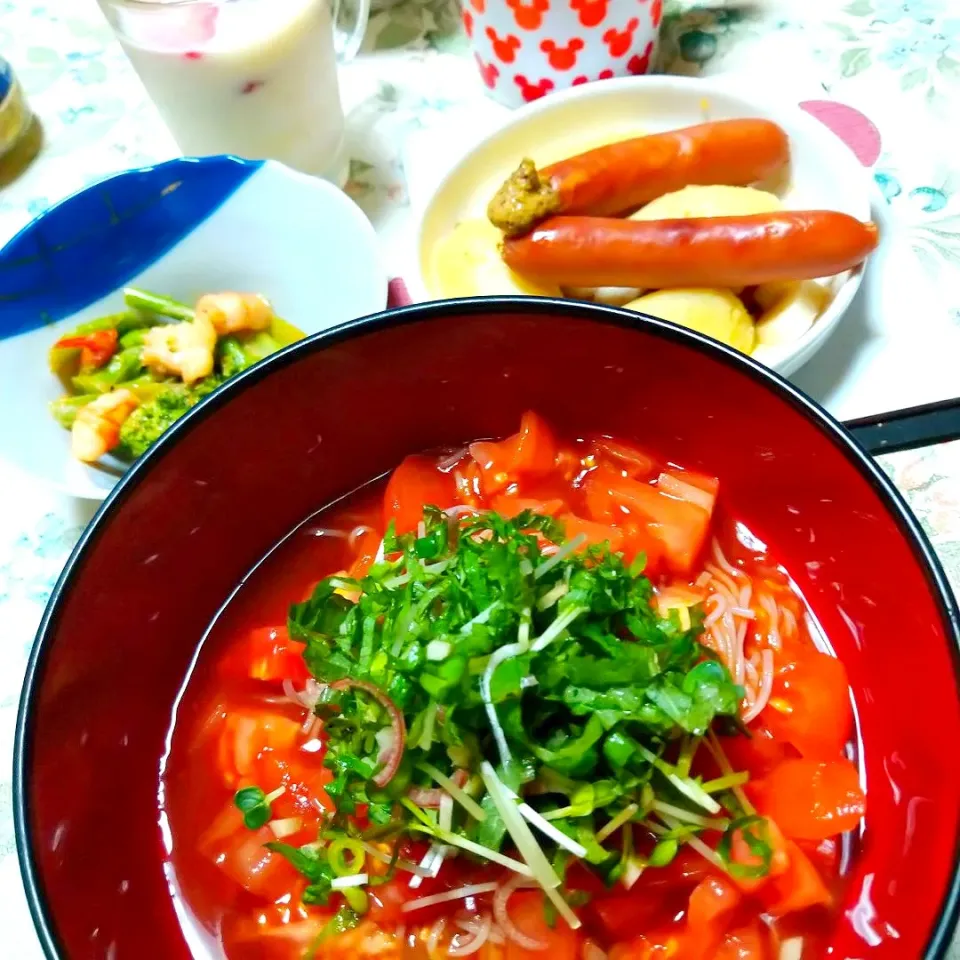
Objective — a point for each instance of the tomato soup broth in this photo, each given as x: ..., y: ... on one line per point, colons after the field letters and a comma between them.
x: 645, y: 756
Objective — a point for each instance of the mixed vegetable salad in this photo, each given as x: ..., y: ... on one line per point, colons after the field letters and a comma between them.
x: 130, y: 375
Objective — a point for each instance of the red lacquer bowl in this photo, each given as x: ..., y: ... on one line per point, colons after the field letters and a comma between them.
x: 326, y: 415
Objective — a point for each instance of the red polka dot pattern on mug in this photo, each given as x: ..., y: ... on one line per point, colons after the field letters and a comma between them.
x: 527, y: 48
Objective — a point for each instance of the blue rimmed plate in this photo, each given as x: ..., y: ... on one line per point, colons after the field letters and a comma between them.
x: 181, y: 228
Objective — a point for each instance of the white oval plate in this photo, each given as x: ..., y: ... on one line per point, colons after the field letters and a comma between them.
x: 824, y: 173
x: 181, y: 228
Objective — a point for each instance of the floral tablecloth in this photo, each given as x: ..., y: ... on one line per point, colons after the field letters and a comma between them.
x: 896, y: 60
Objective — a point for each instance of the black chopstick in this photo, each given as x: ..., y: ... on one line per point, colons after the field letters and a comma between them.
x: 907, y: 429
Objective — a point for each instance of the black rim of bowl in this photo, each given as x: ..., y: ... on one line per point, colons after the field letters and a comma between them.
x: 449, y: 310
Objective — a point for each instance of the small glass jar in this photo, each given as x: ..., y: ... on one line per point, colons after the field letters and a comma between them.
x: 20, y: 135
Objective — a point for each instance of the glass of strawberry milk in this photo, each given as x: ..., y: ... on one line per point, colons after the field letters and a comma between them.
x: 254, y: 78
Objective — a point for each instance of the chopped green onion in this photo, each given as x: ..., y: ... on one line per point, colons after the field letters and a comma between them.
x: 455, y: 840
x: 563, y: 908
x: 482, y: 617
x: 465, y: 801
x: 471, y: 890
x: 556, y: 628
x: 726, y: 782
x: 285, y: 827
x: 688, y: 750
x: 352, y: 880
x: 618, y: 821
x: 417, y: 812
x: 357, y: 899
x: 561, y: 553
x: 438, y: 650
x: 547, y: 828
x: 399, y: 862
x: 346, y: 856
x: 633, y: 868
x: 689, y: 788
x: 713, y: 745
x: 526, y: 844
x: 445, y: 819
x: 705, y: 823
x: 696, y: 843
x: 429, y: 721
x: 553, y: 595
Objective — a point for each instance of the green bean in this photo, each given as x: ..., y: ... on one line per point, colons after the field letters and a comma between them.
x: 148, y: 387
x: 124, y: 365
x: 257, y: 345
x: 65, y: 409
x: 231, y: 356
x: 133, y: 338
x: 156, y: 303
x: 111, y: 321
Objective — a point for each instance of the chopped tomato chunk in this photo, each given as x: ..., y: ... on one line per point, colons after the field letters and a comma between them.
x: 751, y: 942
x: 531, y: 451
x: 680, y: 525
x: 798, y: 888
x: 416, y: 483
x: 598, y: 495
x: 657, y: 945
x: 527, y: 914
x: 741, y: 854
x: 246, y: 736
x: 810, y: 703
x: 272, y: 655
x: 759, y: 753
x: 711, y: 904
x: 811, y: 800
x: 240, y: 853
x: 696, y: 488
x: 273, y: 931
x: 638, y: 539
x: 595, y: 533
x: 656, y: 896
x: 508, y: 506
x: 635, y: 463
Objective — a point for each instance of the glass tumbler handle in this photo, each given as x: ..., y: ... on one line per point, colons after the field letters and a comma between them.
x: 348, y: 43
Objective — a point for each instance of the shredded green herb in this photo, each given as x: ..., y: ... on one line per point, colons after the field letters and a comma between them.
x: 551, y: 681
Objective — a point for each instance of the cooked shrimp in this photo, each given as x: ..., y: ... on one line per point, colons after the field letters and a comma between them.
x: 183, y: 349
x: 96, y: 429
x: 232, y: 312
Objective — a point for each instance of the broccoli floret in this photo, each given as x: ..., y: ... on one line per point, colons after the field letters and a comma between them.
x: 149, y: 421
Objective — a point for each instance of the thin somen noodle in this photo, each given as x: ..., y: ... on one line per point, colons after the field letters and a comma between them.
x: 734, y: 603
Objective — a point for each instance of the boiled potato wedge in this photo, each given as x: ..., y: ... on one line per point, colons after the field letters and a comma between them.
x: 789, y: 310
x: 715, y: 201
x: 466, y: 263
x: 612, y: 296
x: 717, y: 313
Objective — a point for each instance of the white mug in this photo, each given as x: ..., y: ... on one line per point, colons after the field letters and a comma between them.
x: 254, y: 78
x: 528, y: 48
